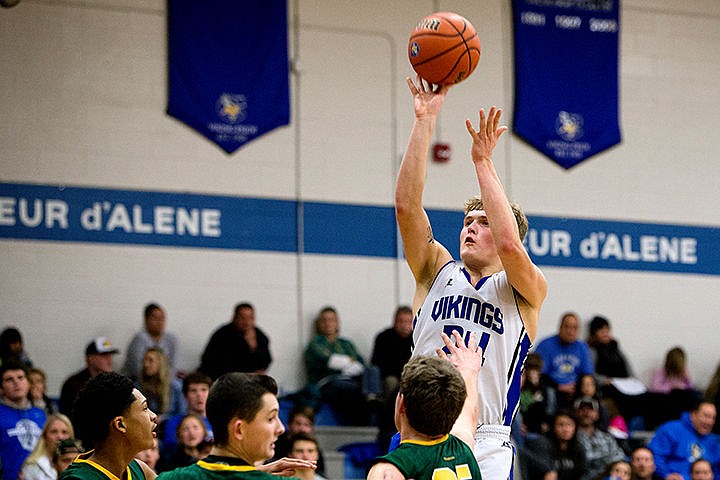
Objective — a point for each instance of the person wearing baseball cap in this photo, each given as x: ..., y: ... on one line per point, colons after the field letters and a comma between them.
x: 600, y: 447
x: 98, y: 358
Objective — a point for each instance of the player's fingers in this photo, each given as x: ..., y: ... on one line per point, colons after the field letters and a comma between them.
x: 470, y: 128
x: 441, y: 354
x: 411, y: 85
x: 472, y: 342
x: 448, y: 343
x: 458, y: 340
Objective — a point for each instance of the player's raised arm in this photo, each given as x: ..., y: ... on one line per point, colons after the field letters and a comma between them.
x: 527, y: 280
x: 468, y: 360
x: 424, y: 255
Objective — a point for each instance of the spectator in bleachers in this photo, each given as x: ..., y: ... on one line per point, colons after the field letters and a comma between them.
x: 12, y: 347
x: 391, y: 352
x: 38, y: 391
x: 237, y: 346
x: 20, y: 423
x: 190, y: 436
x: 618, y: 470
x: 150, y: 456
x: 556, y: 454
x: 301, y: 420
x: 38, y: 465
x: 336, y: 371
x: 678, y: 443
x: 565, y: 359
x: 712, y: 394
x: 98, y: 359
x: 163, y: 391
x: 671, y: 391
x: 66, y: 451
x: 536, y: 397
x: 153, y: 334
x: 305, y: 447
x: 642, y: 462
x: 673, y: 375
x: 600, y: 447
x: 608, y: 359
x: 701, y: 470
x: 196, y: 387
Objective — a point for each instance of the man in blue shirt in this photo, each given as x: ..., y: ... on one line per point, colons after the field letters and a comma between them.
x: 20, y: 423
x: 678, y: 443
x: 565, y: 358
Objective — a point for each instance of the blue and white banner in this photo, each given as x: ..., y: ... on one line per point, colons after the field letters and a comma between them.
x: 71, y: 214
x: 566, y: 76
x: 228, y: 68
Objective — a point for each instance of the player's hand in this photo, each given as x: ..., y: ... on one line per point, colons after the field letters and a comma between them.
x: 428, y: 98
x: 466, y: 358
x: 286, y: 466
x: 486, y: 136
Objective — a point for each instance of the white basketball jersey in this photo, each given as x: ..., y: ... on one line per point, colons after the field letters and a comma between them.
x: 490, y: 310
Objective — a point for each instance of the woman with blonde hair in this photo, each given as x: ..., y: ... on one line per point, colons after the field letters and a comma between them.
x: 154, y: 380
x: 38, y: 465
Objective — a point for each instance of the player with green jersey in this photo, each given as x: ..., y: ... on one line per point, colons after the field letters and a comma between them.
x: 436, y: 417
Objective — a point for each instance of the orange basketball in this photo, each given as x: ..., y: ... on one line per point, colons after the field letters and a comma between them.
x: 444, y: 48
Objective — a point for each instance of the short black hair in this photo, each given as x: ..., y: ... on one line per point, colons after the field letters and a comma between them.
x: 12, y: 364
x: 195, y: 377
x: 150, y: 308
x: 598, y: 323
x: 236, y: 395
x: 103, y: 398
x: 242, y: 305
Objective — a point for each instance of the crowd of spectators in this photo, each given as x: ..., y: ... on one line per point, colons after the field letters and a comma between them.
x: 578, y: 400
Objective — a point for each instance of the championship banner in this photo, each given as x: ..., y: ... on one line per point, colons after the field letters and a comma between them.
x: 228, y: 68
x: 566, y: 76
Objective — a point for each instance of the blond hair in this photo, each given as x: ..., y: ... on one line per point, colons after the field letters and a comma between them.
x: 476, y: 203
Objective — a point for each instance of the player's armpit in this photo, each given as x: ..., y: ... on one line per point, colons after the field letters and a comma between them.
x: 385, y: 471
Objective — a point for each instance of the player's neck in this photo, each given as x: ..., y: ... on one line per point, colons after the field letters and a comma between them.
x: 478, y: 273
x: 409, y: 433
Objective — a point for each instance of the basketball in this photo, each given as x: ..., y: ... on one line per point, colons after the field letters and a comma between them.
x: 444, y: 48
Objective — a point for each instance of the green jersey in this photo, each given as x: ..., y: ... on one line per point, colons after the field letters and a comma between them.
x: 216, y: 468
x: 84, y: 469
x: 447, y: 458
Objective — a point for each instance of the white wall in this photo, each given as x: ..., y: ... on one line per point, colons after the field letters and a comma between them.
x: 83, y: 104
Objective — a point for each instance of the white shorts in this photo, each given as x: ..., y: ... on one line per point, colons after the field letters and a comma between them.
x: 494, y: 452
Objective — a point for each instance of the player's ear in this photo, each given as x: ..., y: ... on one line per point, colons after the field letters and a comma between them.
x: 236, y: 428
x: 119, y: 424
x: 401, y: 403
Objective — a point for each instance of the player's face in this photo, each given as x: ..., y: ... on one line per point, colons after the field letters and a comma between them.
x: 476, y: 240
x: 56, y: 431
x: 643, y: 463
x: 140, y: 423
x: 704, y: 418
x: 259, y: 435
x: 701, y: 471
x: 305, y: 450
x: 15, y: 385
